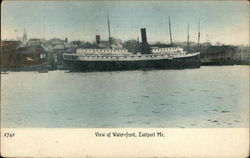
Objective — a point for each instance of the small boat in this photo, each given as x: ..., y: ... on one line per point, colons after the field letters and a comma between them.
x: 4, y: 72
x: 43, y: 71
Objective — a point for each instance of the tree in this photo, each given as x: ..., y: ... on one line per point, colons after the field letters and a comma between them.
x: 131, y: 45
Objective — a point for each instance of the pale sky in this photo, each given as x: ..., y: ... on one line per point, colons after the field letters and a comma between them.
x: 226, y: 22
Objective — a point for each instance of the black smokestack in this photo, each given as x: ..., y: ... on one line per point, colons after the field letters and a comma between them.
x: 97, y: 39
x: 145, y: 46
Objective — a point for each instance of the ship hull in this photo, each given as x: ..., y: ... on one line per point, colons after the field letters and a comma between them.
x: 176, y: 63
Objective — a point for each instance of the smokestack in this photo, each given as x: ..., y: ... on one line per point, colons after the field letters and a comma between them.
x: 97, y: 39
x: 145, y: 46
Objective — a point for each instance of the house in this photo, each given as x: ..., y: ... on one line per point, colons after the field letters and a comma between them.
x: 217, y: 55
x: 15, y: 57
x: 242, y: 54
x: 31, y: 56
x: 8, y: 53
x: 35, y: 41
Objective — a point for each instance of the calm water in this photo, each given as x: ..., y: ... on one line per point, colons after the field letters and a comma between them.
x: 205, y: 97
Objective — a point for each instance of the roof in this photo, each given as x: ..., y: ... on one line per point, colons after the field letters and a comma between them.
x: 217, y: 49
x: 8, y: 43
x: 29, y: 49
x: 59, y: 46
x: 241, y: 48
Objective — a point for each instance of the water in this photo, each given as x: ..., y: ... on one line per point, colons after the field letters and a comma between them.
x: 205, y: 97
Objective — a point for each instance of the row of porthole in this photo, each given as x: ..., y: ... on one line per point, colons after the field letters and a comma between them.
x: 161, y: 49
x: 120, y: 57
x: 117, y: 56
x: 105, y: 51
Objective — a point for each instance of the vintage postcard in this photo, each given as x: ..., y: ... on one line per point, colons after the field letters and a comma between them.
x: 125, y: 78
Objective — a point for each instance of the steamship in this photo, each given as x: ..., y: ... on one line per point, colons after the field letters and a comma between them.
x: 120, y: 59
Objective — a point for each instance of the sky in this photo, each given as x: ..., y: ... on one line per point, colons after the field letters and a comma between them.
x: 226, y: 22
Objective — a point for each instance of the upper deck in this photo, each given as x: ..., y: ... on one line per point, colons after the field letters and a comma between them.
x: 85, y: 51
x: 167, y: 50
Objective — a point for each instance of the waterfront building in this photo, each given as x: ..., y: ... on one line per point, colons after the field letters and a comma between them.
x: 21, y: 57
x: 242, y: 53
x: 31, y: 56
x: 8, y: 53
x: 217, y: 55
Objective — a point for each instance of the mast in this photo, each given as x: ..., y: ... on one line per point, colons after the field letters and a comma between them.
x: 138, y: 45
x: 170, y: 34
x: 24, y: 36
x: 109, y: 33
x: 199, y: 33
x: 188, y: 38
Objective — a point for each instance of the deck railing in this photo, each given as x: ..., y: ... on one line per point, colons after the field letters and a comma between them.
x: 125, y: 57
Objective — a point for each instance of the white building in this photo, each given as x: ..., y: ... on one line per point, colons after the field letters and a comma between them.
x: 242, y: 53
